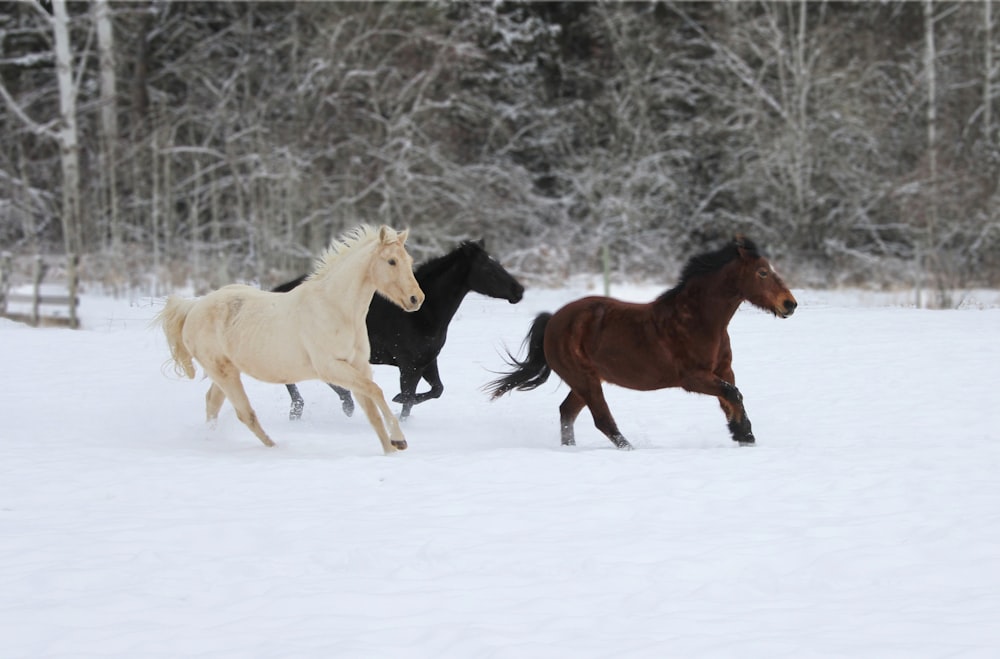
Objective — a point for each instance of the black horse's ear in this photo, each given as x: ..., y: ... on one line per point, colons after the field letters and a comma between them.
x: 481, y: 242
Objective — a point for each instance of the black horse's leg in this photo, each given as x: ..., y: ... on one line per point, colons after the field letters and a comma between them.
x: 346, y: 401
x: 298, y: 403
x: 433, y: 378
x: 409, y: 377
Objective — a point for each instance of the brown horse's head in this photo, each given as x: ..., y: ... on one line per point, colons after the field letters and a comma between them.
x: 758, y: 282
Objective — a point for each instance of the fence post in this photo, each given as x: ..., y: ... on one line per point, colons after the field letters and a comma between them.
x: 5, y: 278
x: 39, y: 274
x: 73, y: 270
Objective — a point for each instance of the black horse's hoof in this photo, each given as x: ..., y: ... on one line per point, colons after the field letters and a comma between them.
x: 348, y: 406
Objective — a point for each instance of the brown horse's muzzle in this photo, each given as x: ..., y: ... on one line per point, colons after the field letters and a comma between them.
x: 787, y: 308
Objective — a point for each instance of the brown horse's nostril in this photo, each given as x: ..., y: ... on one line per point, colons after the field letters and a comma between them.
x: 790, y: 306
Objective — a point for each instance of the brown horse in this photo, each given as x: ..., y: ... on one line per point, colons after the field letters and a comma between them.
x: 680, y: 339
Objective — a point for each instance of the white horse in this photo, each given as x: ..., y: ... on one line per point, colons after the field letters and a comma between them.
x: 316, y: 331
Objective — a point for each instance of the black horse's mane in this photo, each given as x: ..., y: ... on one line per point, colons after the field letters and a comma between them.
x: 442, y: 262
x: 710, y: 262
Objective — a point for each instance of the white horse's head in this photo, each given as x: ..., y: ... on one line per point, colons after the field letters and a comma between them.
x: 391, y: 270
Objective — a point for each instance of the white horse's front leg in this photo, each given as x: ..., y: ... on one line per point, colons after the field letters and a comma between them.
x: 370, y: 397
x: 369, y: 404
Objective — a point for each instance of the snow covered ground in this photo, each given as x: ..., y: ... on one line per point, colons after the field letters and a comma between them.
x: 865, y: 523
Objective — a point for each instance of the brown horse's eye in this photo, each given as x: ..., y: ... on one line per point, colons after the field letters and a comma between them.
x: 392, y: 261
x: 762, y: 273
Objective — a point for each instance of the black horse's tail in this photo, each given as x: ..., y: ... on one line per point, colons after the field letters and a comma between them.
x: 530, y: 373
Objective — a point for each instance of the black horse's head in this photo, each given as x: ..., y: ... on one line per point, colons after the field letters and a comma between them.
x: 487, y: 276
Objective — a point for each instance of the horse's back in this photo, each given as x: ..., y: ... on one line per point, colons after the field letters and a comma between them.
x: 254, y: 330
x: 614, y: 340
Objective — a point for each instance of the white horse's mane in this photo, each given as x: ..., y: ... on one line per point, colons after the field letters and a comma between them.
x: 362, y: 235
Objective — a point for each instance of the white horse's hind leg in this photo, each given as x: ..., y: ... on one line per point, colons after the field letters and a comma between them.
x: 227, y: 378
x: 213, y: 402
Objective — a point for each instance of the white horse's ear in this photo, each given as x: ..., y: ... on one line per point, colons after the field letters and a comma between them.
x: 386, y: 234
x: 402, y: 236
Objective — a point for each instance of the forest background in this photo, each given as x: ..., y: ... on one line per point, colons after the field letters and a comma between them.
x: 201, y: 143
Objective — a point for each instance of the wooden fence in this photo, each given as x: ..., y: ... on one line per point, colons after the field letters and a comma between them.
x: 37, y: 301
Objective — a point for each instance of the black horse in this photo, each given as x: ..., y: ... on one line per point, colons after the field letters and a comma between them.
x: 412, y: 341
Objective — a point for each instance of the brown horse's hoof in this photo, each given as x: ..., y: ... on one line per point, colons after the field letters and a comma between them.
x: 400, y: 444
x: 621, y: 443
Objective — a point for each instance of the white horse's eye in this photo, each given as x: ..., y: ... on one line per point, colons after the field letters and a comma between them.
x: 392, y: 261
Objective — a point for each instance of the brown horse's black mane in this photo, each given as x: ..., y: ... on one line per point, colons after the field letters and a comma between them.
x: 710, y: 262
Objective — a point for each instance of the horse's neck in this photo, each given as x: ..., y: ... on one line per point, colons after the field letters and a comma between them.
x: 713, y: 316
x: 346, y: 286
x: 444, y: 290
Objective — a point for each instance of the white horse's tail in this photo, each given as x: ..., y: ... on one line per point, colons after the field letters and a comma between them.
x: 172, y: 318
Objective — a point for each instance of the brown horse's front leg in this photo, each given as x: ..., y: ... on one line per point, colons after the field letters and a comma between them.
x: 731, y: 401
x: 736, y: 414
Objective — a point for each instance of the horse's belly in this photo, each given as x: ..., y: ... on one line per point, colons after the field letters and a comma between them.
x: 275, y: 368
x: 640, y: 379
x: 639, y: 370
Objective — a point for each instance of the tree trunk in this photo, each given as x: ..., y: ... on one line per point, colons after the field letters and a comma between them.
x: 109, y: 118
x: 926, y: 242
x: 988, y: 73
x: 69, y: 146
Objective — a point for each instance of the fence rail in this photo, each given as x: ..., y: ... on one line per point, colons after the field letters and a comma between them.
x: 36, y: 298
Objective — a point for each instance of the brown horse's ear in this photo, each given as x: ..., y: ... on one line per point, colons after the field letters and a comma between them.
x: 740, y: 241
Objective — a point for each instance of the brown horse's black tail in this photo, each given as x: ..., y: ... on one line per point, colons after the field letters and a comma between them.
x: 530, y: 373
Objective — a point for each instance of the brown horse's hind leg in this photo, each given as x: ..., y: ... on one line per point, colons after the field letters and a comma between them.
x: 568, y: 412
x: 593, y: 396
